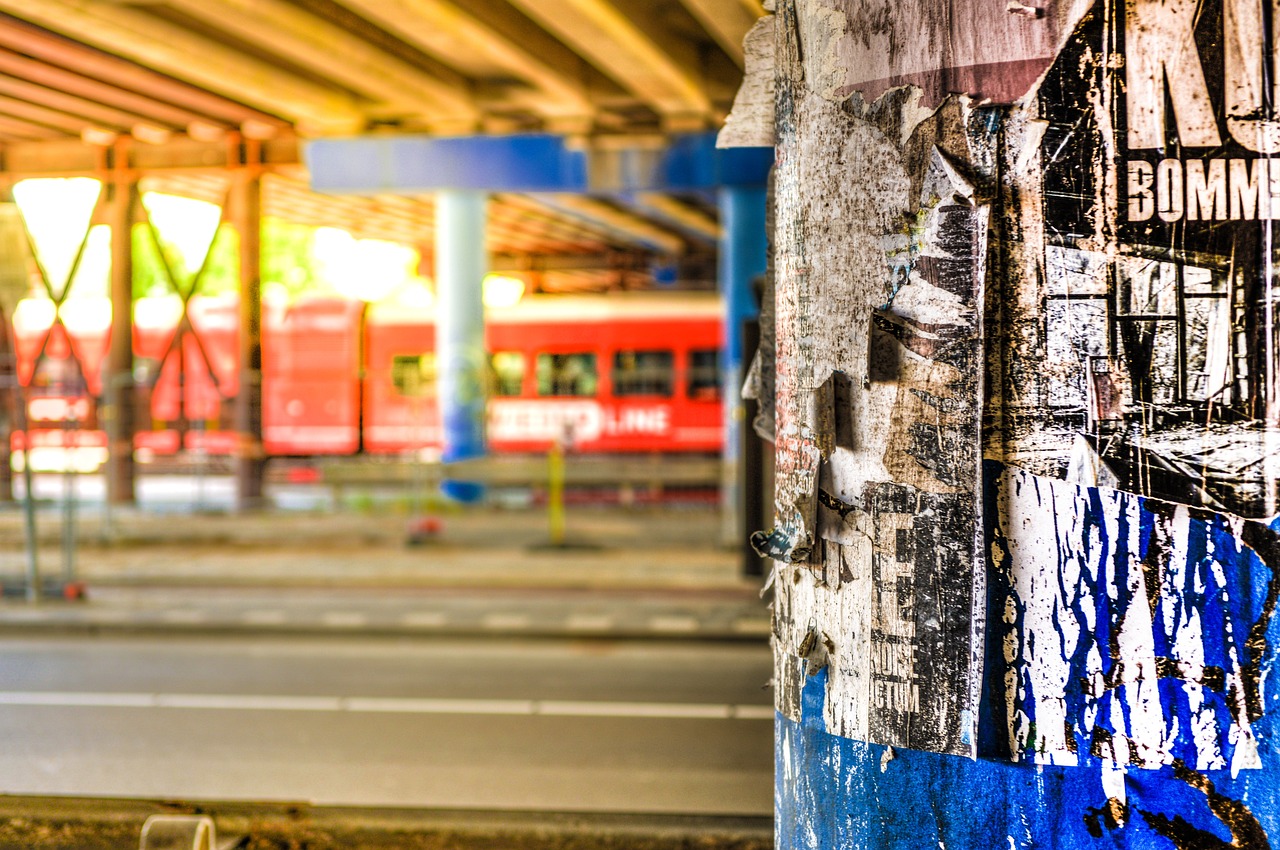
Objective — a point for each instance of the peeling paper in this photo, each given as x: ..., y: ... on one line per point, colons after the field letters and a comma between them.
x: 1117, y: 604
x: 821, y: 30
x: 879, y: 383
x: 750, y: 122
x: 1076, y: 286
x: 989, y: 54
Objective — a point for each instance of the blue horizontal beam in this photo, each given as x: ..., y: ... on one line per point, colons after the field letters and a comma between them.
x: 528, y: 163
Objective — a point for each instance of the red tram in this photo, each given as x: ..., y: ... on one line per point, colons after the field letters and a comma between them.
x: 628, y: 372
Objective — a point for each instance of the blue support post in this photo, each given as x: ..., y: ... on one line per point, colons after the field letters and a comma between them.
x: 461, y: 264
x: 742, y: 258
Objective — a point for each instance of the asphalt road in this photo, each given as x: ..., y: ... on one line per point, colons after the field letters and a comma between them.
x: 491, y: 724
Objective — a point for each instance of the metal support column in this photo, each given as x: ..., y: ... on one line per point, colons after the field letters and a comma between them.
x: 742, y: 258
x: 247, y: 219
x: 118, y: 384
x: 8, y: 411
x: 461, y: 264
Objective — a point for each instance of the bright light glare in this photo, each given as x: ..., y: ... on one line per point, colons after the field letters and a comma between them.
x: 86, y: 315
x: 84, y: 459
x: 57, y: 212
x: 157, y: 311
x: 416, y: 293
x: 362, y: 269
x: 187, y: 224
x: 32, y: 315
x: 502, y: 290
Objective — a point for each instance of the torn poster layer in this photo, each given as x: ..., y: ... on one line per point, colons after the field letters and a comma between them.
x: 1043, y: 235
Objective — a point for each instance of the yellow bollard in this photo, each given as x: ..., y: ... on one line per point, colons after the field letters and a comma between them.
x: 555, y: 493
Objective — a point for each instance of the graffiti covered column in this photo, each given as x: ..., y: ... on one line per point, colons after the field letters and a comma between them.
x: 461, y: 264
x: 1026, y: 425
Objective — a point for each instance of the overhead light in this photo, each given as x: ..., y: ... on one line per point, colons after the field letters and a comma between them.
x: 361, y: 269
x: 202, y: 131
x: 150, y: 134
x: 259, y: 130
x: 98, y: 136
x: 86, y: 315
x: 500, y: 290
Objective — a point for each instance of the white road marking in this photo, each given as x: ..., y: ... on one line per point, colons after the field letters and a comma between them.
x: 673, y: 624
x: 183, y: 615
x: 505, y: 621
x: 264, y: 618
x: 344, y: 619
x: 589, y: 622
x: 28, y: 614
x: 753, y: 712
x: 424, y: 619
x: 569, y: 708
x: 384, y: 705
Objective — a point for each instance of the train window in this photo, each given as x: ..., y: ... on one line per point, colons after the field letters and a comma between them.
x: 414, y: 375
x: 704, y: 374
x: 506, y: 372
x: 643, y: 373
x: 567, y: 374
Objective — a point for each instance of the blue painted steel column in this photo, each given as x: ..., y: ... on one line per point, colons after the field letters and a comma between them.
x: 461, y: 264
x: 742, y: 258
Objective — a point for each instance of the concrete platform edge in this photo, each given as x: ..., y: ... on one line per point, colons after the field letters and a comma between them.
x: 108, y: 824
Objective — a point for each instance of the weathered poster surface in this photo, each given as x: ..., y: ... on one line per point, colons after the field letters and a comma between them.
x: 1043, y: 238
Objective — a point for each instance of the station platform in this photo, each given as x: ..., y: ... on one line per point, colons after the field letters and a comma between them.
x: 647, y: 572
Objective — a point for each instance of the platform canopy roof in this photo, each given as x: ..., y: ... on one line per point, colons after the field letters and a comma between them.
x: 176, y: 87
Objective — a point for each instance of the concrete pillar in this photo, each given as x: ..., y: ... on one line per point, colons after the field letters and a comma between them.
x: 118, y: 387
x: 461, y: 264
x: 742, y: 258
x: 246, y: 203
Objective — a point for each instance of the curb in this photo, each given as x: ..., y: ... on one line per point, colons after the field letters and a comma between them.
x: 104, y: 824
x: 90, y: 626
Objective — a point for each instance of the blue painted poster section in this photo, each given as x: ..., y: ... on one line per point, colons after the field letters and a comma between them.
x: 1125, y: 700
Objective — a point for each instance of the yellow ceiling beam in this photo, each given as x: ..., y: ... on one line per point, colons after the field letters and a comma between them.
x: 175, y: 51
x: 338, y: 54
x: 600, y: 33
x: 689, y: 218
x: 459, y: 39
x: 620, y: 224
x: 728, y: 21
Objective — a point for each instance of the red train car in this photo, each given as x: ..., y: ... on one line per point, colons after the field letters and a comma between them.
x: 632, y: 372
x: 624, y: 373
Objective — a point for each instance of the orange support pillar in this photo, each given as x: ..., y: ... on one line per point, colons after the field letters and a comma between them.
x: 247, y: 219
x: 118, y: 382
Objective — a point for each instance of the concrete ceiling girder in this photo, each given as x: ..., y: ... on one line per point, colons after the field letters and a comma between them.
x: 72, y: 158
x: 22, y: 110
x: 686, y: 217
x: 728, y: 22
x: 461, y: 39
x: 440, y: 98
x: 612, y: 42
x: 631, y: 229
x: 89, y: 113
x: 44, y: 46
x: 91, y: 90
x: 182, y: 54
